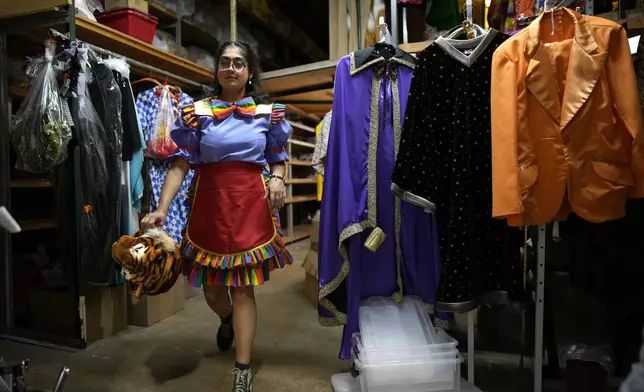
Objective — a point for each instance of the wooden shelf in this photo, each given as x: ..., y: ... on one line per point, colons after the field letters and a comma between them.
x: 301, y: 199
x: 31, y: 183
x: 122, y: 44
x: 297, y: 39
x: 296, y: 181
x: 115, y: 41
x: 37, y: 224
x: 310, y: 76
x: 301, y: 143
x: 414, y: 47
x: 191, y: 34
x: 300, y: 163
x: 300, y: 126
x: 300, y: 232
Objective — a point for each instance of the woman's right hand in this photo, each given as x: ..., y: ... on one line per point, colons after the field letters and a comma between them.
x: 152, y: 220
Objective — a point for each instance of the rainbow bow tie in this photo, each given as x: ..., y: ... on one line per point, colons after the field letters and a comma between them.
x: 222, y: 109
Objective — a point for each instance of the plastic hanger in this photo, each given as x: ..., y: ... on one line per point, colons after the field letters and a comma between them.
x: 151, y: 80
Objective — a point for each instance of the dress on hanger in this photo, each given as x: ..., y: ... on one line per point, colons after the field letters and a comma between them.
x: 319, y: 154
x: 445, y: 159
x: 147, y: 106
x: 370, y: 97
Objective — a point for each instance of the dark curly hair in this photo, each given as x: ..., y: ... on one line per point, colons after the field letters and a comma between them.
x: 254, y: 89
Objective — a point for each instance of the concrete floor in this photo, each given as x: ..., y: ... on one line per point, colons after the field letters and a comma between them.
x: 292, y: 351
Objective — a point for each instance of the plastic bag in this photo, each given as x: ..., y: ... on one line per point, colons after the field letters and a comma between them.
x: 40, y: 132
x: 160, y: 145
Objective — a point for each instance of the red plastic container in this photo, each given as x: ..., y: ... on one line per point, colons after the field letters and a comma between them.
x: 130, y: 21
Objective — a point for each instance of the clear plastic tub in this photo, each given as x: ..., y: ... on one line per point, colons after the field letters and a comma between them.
x: 429, y: 376
x: 445, y: 346
x: 384, y: 323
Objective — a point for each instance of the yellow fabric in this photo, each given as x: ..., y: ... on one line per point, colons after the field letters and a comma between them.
x: 318, y: 176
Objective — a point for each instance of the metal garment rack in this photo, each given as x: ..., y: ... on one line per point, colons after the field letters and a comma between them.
x: 541, y: 270
x: 6, y: 27
x: 17, y: 25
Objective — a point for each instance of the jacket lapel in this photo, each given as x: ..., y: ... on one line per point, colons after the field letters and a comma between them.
x: 540, y: 80
x: 585, y: 66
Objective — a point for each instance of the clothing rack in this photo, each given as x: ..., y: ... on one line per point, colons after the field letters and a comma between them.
x: 138, y: 64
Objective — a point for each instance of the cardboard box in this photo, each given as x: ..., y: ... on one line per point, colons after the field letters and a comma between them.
x: 310, y: 266
x: 191, y: 291
x: 103, y: 312
x: 315, y: 231
x: 152, y: 309
x: 141, y: 5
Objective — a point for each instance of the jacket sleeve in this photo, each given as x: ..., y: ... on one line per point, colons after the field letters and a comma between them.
x: 626, y: 103
x: 278, y: 133
x: 506, y: 195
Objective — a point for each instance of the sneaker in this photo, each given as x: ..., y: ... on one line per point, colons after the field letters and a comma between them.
x: 243, y: 380
x: 225, y: 336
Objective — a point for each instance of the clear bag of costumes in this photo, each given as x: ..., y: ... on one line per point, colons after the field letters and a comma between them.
x: 160, y: 145
x: 41, y: 129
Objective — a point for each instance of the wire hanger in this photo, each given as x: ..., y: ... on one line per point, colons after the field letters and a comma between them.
x: 548, y: 7
x: 385, y: 35
x: 468, y: 26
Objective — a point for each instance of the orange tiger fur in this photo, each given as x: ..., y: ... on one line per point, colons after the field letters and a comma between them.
x: 150, y: 260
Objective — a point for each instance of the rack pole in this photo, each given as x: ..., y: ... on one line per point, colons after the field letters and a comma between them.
x: 6, y: 299
x: 471, y: 353
x: 233, y: 20
x: 539, y: 308
x: 394, y: 21
x: 139, y: 64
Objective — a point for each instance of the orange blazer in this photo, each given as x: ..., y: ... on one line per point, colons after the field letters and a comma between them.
x: 567, y: 131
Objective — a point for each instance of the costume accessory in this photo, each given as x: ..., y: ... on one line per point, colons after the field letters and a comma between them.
x: 238, y: 65
x: 222, y: 109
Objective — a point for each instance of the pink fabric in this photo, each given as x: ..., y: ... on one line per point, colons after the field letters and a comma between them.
x: 410, y: 1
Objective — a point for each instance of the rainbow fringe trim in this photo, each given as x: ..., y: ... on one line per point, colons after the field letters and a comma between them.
x: 249, y: 268
x: 238, y: 260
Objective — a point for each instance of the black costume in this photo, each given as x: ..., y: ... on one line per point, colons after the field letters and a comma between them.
x: 445, y: 159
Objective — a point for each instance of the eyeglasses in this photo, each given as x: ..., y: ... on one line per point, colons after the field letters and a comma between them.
x: 238, y: 64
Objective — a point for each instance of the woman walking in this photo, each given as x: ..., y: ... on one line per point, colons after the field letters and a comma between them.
x: 232, y: 239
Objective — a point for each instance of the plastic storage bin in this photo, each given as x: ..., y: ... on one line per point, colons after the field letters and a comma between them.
x: 428, y: 376
x: 444, y: 345
x: 130, y: 21
x: 386, y: 324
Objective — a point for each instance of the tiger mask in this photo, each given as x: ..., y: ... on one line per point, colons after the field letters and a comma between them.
x: 150, y: 261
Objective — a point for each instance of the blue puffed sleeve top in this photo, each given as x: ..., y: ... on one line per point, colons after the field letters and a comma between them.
x: 212, y: 131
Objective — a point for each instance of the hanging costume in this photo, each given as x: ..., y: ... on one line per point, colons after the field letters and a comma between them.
x: 147, y: 107
x: 445, y: 159
x: 231, y: 237
x: 319, y: 154
x: 358, y: 208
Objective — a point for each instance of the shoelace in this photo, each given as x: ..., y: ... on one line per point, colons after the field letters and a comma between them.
x: 242, y: 380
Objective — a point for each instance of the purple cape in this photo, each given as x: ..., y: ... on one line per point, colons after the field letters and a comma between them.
x: 370, y: 97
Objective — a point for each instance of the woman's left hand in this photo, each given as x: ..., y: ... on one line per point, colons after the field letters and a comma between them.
x: 276, y: 193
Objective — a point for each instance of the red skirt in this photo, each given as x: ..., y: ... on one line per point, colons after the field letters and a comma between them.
x: 232, y: 238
